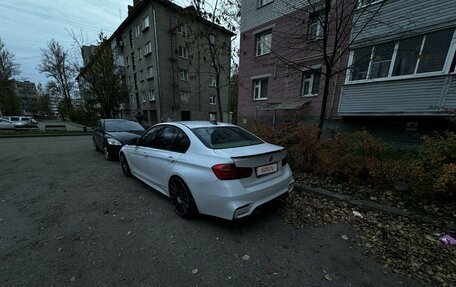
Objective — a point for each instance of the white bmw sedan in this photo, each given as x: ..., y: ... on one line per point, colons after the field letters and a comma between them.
x: 211, y: 168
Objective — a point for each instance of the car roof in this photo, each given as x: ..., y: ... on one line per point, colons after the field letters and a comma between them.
x: 201, y: 124
x: 117, y: 120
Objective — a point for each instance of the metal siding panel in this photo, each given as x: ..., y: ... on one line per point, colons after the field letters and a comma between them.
x: 399, y: 18
x: 450, y: 100
x: 405, y: 96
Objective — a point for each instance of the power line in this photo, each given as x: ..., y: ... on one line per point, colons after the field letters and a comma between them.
x: 60, y: 20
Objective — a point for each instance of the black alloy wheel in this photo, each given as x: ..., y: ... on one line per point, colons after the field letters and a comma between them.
x: 181, y: 198
x: 124, y: 164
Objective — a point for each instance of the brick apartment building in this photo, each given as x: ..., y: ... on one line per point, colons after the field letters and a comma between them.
x: 26, y: 91
x: 161, y: 50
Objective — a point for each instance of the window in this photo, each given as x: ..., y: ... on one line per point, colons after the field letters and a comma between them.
x: 137, y: 30
x: 143, y: 96
x: 263, y: 43
x: 260, y: 89
x: 315, y: 27
x: 151, y: 94
x: 364, y: 3
x: 183, y: 75
x: 183, y: 52
x: 135, y: 79
x: 132, y: 99
x: 150, y: 137
x: 128, y: 62
x: 182, y: 28
x: 133, y: 65
x: 212, y: 100
x: 381, y: 61
x: 150, y: 72
x: 310, y: 84
x: 225, y: 137
x: 435, y: 50
x: 139, y: 54
x: 184, y: 96
x: 406, y: 57
x: 212, y: 39
x: 166, y: 140
x: 130, y: 36
x: 213, y: 81
x: 147, y: 48
x: 263, y: 2
x: 146, y: 23
x: 129, y: 82
x: 141, y: 76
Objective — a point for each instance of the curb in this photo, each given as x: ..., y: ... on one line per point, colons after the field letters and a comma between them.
x: 366, y: 204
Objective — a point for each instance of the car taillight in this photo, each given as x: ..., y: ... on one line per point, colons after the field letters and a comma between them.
x: 231, y: 171
x: 285, y: 161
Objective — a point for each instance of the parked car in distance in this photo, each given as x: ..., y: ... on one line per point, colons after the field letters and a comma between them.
x: 211, y: 168
x: 22, y: 121
x: 111, y: 134
x: 6, y: 124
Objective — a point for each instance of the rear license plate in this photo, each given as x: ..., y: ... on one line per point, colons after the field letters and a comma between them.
x: 266, y: 169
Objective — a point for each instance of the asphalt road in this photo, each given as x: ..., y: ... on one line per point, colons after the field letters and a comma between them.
x: 68, y: 217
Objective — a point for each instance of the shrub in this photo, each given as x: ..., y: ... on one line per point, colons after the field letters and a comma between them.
x: 353, y: 157
x: 434, y: 170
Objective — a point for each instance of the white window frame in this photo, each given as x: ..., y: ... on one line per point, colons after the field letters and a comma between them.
x: 213, y: 81
x: 319, y: 31
x: 139, y: 53
x: 145, y: 23
x: 257, y: 84
x: 311, y: 83
x: 183, y: 75
x: 133, y: 99
x: 143, y: 96
x: 212, y: 39
x: 147, y: 49
x: 150, y: 72
x: 446, y: 67
x: 212, y: 100
x: 261, y: 3
x: 184, y: 96
x: 151, y: 95
x: 183, y: 52
x: 260, y: 42
x: 137, y: 30
x: 182, y: 28
x: 141, y: 76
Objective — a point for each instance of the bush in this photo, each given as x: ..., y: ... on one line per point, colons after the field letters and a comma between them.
x: 300, y: 140
x: 355, y: 158
x: 433, y: 172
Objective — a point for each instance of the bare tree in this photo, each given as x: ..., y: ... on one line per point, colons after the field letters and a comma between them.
x: 214, y: 50
x: 101, y: 82
x: 9, y: 102
x: 55, y: 64
x: 323, y: 31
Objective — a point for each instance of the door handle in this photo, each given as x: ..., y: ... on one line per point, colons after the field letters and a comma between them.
x: 171, y: 159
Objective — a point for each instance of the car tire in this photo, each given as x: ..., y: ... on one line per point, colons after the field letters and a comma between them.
x: 124, y: 165
x: 95, y: 147
x: 107, y: 153
x: 181, y: 198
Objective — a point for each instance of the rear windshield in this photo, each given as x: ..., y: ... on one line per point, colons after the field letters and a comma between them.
x: 122, y: 126
x: 225, y: 137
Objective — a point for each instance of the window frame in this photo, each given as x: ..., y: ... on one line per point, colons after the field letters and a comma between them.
x: 312, y: 82
x: 259, y: 42
x: 150, y: 72
x: 184, y: 99
x: 145, y: 27
x: 147, y: 48
x: 182, y: 28
x: 151, y: 95
x: 183, y: 52
x: 212, y: 100
x: 262, y: 3
x: 450, y: 57
x: 137, y: 30
x: 183, y: 75
x: 260, y: 80
x: 361, y: 3
x: 319, y: 31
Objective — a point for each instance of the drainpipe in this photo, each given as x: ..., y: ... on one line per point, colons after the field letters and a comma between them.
x: 158, y: 96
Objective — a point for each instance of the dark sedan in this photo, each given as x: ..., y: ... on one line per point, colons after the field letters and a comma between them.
x: 111, y: 134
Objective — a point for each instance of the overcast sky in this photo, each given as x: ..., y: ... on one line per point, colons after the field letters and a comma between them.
x: 27, y: 25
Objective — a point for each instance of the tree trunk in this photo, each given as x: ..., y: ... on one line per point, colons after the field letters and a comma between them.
x: 219, y: 101
x: 324, y: 101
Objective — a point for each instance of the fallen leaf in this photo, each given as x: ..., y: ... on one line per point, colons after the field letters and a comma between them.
x: 328, y: 277
x: 195, y: 271
x: 129, y: 232
x: 246, y: 258
x: 344, y: 237
x: 72, y: 279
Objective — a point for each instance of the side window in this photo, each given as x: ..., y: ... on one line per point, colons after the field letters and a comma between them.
x: 182, y: 143
x: 150, y: 138
x: 166, y: 139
